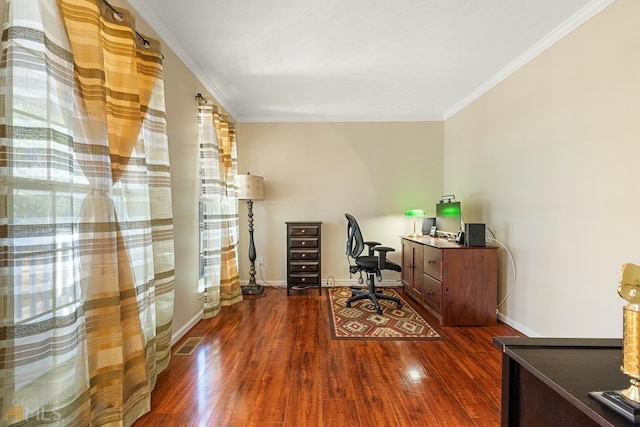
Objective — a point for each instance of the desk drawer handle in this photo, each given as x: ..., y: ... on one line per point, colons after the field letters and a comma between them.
x: 303, y: 243
x: 432, y: 262
x: 304, y: 255
x: 304, y: 267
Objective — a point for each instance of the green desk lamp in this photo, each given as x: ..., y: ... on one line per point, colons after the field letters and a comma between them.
x: 415, y: 213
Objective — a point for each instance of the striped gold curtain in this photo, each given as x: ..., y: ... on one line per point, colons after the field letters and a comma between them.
x: 88, y: 276
x: 218, y: 168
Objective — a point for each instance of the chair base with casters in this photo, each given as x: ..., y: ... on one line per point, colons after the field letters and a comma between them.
x: 370, y: 293
x: 371, y: 264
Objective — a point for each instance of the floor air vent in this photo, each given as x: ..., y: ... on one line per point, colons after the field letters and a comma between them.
x: 188, y: 346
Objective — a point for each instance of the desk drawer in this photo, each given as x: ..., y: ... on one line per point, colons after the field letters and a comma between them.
x: 304, y: 279
x: 304, y: 267
x: 433, y: 262
x: 432, y: 292
x: 304, y: 230
x: 303, y: 255
x: 303, y: 242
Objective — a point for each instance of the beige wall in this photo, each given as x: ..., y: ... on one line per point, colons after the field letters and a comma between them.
x: 549, y: 160
x: 319, y: 171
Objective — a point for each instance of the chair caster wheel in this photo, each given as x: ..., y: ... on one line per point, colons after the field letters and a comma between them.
x: 379, y: 312
x: 399, y: 306
x: 349, y: 304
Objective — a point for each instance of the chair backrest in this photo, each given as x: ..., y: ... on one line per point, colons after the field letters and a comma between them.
x: 355, y: 242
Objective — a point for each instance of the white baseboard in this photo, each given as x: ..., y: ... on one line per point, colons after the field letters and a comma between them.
x: 329, y: 283
x: 185, y: 328
x: 515, y: 325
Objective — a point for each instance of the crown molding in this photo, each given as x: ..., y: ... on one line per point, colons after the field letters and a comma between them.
x: 583, y: 15
x: 344, y: 118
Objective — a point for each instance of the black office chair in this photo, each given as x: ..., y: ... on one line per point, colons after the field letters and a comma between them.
x: 371, y: 264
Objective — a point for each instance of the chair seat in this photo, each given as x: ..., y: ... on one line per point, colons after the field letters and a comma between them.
x: 371, y: 263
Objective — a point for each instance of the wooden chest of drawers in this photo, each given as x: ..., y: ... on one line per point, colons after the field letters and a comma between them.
x: 303, y: 256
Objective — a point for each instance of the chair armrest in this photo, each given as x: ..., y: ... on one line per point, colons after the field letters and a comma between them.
x: 382, y: 257
x: 371, y: 245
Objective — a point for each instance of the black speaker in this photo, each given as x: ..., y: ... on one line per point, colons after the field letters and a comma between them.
x: 474, y: 235
x: 426, y: 225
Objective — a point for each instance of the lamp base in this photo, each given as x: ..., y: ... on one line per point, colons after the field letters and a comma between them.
x: 253, y: 289
x: 618, y: 402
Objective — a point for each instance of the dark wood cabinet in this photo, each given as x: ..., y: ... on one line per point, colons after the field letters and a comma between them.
x: 412, y: 268
x: 456, y: 283
x: 303, y: 256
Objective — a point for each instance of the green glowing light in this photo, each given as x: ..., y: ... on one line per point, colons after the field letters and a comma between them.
x: 451, y: 210
x: 414, y: 212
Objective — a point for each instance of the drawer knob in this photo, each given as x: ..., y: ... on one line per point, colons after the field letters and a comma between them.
x: 303, y: 243
x: 304, y: 267
x: 304, y: 255
x: 304, y: 280
x: 430, y: 292
x: 431, y: 262
x: 303, y: 231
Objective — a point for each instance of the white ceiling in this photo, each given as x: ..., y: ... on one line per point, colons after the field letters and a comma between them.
x: 357, y: 60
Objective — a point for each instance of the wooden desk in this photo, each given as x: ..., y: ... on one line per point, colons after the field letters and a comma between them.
x: 546, y: 381
x: 456, y: 283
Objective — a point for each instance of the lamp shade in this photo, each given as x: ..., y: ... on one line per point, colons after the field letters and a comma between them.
x: 250, y: 187
x: 414, y: 212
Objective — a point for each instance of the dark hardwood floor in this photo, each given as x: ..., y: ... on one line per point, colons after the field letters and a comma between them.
x: 271, y: 361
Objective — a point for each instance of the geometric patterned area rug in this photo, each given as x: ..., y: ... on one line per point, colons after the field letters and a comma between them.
x: 360, y: 321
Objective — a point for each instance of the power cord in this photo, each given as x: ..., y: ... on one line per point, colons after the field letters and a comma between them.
x: 262, y: 278
x: 513, y: 266
x: 302, y: 288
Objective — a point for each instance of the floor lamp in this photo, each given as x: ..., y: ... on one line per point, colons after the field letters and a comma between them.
x: 250, y: 188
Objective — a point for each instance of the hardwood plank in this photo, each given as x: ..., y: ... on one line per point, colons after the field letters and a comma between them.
x: 444, y: 406
x: 337, y: 383
x: 271, y: 362
x: 272, y: 391
x: 304, y: 407
x: 339, y: 413
x: 376, y: 402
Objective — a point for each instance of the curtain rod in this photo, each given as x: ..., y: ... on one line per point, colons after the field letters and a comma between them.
x: 119, y: 16
x: 202, y: 101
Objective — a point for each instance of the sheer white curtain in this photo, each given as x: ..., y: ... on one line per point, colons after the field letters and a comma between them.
x: 44, y: 370
x: 86, y: 236
x: 218, y: 168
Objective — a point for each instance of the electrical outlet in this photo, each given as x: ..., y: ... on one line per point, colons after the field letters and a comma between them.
x: 260, y: 262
